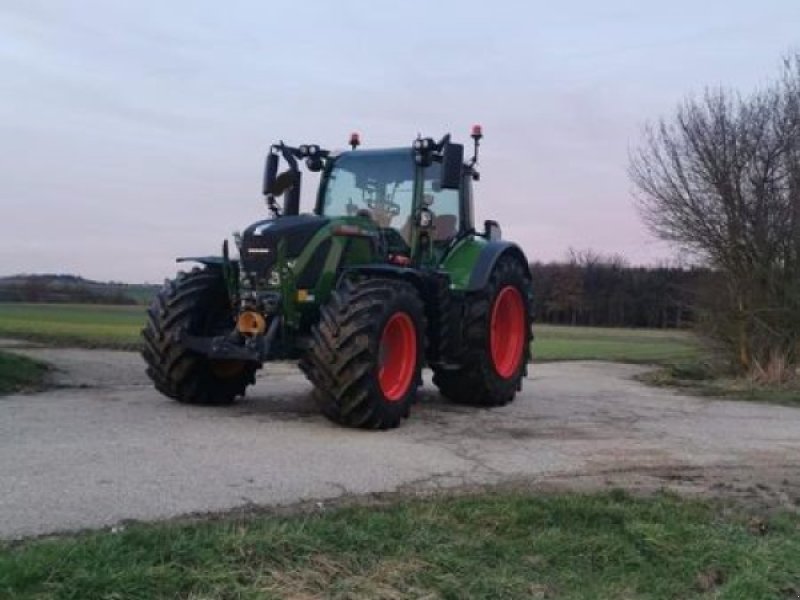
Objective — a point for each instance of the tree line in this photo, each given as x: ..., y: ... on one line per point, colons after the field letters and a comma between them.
x: 593, y: 290
x: 67, y: 289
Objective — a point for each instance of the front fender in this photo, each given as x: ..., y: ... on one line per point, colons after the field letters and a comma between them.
x: 228, y: 270
x: 207, y: 261
x: 383, y: 270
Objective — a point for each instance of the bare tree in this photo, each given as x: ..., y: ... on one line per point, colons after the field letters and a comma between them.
x: 722, y: 180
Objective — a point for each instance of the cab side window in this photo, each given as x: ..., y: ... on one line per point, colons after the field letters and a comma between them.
x: 444, y: 204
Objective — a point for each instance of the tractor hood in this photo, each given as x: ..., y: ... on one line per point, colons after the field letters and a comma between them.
x: 259, y: 247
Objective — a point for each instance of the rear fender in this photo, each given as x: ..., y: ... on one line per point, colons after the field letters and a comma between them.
x: 471, y: 262
x: 487, y: 259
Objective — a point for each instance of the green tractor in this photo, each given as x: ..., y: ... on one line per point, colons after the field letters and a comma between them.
x: 388, y: 275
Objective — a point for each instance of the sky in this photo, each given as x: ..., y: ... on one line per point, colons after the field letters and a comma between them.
x: 135, y: 132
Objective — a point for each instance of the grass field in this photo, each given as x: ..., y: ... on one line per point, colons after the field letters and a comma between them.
x: 73, y: 324
x: 495, y: 545
x: 118, y: 327
x: 555, y: 342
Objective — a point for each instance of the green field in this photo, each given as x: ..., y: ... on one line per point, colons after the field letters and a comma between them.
x: 86, y: 325
x: 556, y: 342
x: 118, y: 327
x: 496, y: 545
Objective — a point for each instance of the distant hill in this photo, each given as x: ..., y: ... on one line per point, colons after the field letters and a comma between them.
x: 72, y: 289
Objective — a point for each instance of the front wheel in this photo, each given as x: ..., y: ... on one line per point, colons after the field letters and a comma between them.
x: 366, y: 353
x: 497, y: 341
x: 196, y: 303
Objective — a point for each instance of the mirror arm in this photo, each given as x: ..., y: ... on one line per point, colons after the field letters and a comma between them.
x: 291, y: 155
x: 292, y: 202
x: 288, y: 154
x: 270, y: 170
x: 272, y: 205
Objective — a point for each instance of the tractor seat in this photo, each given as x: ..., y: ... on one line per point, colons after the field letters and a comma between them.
x: 444, y: 228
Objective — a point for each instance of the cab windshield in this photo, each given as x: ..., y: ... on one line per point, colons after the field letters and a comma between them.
x: 379, y: 184
x: 374, y: 183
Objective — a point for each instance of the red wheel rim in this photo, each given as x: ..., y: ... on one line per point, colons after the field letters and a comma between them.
x: 507, y: 331
x: 397, y: 358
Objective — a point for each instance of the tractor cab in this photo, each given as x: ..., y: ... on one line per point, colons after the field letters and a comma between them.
x: 417, y: 199
x: 400, y: 197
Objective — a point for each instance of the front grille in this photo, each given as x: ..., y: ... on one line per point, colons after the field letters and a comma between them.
x: 258, y: 255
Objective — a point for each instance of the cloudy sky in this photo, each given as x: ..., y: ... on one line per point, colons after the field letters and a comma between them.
x: 133, y: 132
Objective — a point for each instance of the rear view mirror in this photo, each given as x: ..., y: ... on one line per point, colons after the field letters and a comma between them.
x: 452, y: 166
x: 491, y: 231
x: 270, y: 172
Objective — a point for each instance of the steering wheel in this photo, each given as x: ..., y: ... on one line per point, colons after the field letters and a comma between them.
x: 388, y: 206
x: 395, y: 244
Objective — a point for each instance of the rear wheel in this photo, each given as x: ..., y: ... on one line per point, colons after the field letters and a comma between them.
x: 366, y: 353
x: 497, y: 344
x: 195, y: 302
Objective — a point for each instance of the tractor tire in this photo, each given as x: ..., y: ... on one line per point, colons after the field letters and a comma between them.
x: 366, y: 353
x: 195, y: 302
x: 497, y: 340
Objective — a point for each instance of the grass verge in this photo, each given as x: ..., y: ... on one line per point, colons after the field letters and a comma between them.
x: 500, y: 545
x: 18, y: 373
x: 699, y: 379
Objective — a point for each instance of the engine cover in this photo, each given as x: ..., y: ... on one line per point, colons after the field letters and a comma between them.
x: 259, y: 249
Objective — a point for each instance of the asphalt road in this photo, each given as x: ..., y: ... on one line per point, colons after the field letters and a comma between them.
x: 104, y: 447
